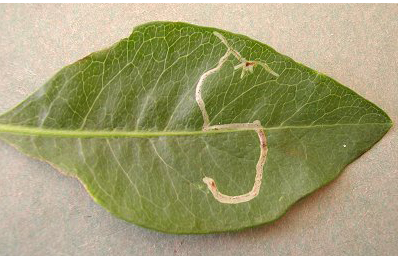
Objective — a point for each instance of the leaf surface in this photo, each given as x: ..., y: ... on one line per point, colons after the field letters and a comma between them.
x: 126, y: 122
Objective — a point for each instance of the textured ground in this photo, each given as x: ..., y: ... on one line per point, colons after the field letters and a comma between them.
x: 44, y: 212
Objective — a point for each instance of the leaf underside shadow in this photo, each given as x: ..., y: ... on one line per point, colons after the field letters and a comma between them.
x: 128, y: 123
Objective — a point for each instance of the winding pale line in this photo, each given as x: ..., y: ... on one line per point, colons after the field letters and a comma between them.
x: 198, y: 92
x: 257, y: 181
x: 247, y: 67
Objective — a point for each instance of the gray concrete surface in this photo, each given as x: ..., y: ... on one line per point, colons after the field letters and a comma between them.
x: 44, y: 212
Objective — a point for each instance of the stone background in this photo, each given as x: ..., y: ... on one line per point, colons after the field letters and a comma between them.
x: 44, y: 212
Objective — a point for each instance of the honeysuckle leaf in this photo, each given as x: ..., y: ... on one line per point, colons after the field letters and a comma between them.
x: 165, y: 127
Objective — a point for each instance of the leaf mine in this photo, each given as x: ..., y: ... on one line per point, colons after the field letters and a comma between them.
x: 256, y: 125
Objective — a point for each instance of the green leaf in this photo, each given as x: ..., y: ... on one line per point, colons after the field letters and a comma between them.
x: 146, y: 122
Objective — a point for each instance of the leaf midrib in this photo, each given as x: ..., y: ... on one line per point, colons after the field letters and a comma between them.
x: 24, y: 130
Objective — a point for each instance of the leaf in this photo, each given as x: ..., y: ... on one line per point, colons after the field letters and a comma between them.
x: 136, y: 124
